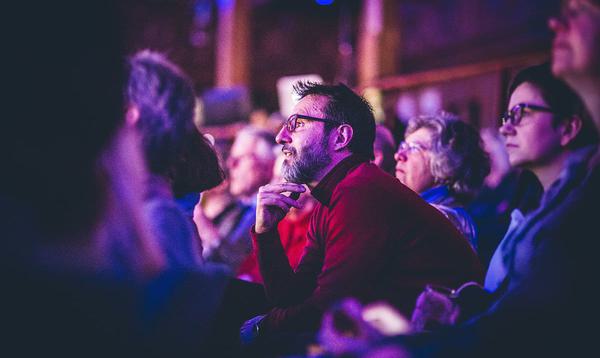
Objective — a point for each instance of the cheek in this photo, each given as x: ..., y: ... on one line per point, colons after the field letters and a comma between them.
x: 417, y: 170
x: 544, y: 147
x: 585, y: 46
x: 536, y: 146
x: 516, y: 154
x: 579, y: 51
x: 420, y: 167
x: 242, y: 171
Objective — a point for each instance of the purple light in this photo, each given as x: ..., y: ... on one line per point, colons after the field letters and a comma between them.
x: 324, y: 2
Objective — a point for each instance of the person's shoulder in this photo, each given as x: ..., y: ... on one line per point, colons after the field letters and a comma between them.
x: 368, y: 184
x: 167, y: 219
x: 157, y: 204
x: 367, y: 176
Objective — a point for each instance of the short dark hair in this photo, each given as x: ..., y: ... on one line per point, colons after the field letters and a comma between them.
x: 560, y: 98
x: 345, y: 106
x: 173, y: 146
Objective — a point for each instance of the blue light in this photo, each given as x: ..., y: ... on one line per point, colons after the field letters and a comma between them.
x: 324, y: 2
x: 225, y: 4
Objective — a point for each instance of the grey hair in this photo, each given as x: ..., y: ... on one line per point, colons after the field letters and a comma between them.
x: 458, y: 159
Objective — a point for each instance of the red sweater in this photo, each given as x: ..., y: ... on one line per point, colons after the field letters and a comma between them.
x: 369, y: 237
x: 292, y: 233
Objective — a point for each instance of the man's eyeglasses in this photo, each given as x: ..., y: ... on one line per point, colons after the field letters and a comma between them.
x: 411, y: 147
x: 292, y: 122
x: 515, y: 114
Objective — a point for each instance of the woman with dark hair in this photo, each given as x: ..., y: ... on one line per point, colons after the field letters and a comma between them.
x: 162, y: 104
x: 442, y: 159
x: 546, y: 129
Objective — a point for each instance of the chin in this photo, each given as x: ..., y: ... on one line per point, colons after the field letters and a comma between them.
x: 516, y: 163
x: 560, y: 64
x: 558, y: 69
x: 236, y: 189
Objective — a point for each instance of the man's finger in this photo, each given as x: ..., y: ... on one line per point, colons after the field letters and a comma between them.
x: 289, y: 201
x: 276, y: 202
x: 283, y: 187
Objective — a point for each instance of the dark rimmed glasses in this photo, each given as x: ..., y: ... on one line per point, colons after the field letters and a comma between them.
x: 292, y: 122
x: 515, y: 114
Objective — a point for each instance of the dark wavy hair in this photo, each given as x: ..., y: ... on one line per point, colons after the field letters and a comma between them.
x: 173, y: 146
x: 560, y: 98
x: 345, y: 106
x: 458, y: 159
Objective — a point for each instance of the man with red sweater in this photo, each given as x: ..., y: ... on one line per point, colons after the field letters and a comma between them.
x: 369, y: 237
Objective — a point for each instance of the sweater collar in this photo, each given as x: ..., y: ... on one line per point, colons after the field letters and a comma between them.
x: 436, y: 194
x: 324, y: 190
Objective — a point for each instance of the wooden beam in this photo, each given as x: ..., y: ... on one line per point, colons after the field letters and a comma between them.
x: 403, y: 82
x: 232, y: 45
x: 378, y: 40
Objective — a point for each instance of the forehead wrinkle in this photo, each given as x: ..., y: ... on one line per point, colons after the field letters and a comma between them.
x: 316, y: 105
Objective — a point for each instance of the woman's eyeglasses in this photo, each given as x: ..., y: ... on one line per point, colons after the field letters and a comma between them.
x: 411, y: 147
x: 516, y: 114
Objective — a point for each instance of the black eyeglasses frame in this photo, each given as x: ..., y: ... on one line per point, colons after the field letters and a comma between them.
x: 291, y: 123
x: 514, y: 119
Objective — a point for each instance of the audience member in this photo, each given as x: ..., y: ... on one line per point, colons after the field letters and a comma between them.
x: 576, y: 50
x: 292, y: 230
x: 72, y: 189
x: 250, y: 165
x: 180, y: 160
x: 504, y: 190
x: 217, y: 212
x: 442, y: 160
x: 545, y: 129
x: 384, y: 148
x: 369, y: 237
x: 493, y: 144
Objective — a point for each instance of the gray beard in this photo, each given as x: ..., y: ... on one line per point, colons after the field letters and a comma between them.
x: 304, y: 170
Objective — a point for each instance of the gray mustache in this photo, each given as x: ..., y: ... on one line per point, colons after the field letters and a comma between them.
x: 289, y: 148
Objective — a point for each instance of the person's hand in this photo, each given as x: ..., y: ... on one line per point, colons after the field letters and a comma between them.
x: 208, y: 233
x: 386, y: 319
x: 272, y: 205
x: 344, y: 331
x: 250, y: 330
x: 435, y: 308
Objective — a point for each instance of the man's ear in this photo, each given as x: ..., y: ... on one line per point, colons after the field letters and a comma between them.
x: 343, y: 137
x: 570, y: 129
x: 132, y: 115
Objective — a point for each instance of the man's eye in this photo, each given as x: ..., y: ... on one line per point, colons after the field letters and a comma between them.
x: 299, y: 124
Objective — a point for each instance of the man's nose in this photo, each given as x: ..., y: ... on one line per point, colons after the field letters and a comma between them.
x: 283, y: 136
